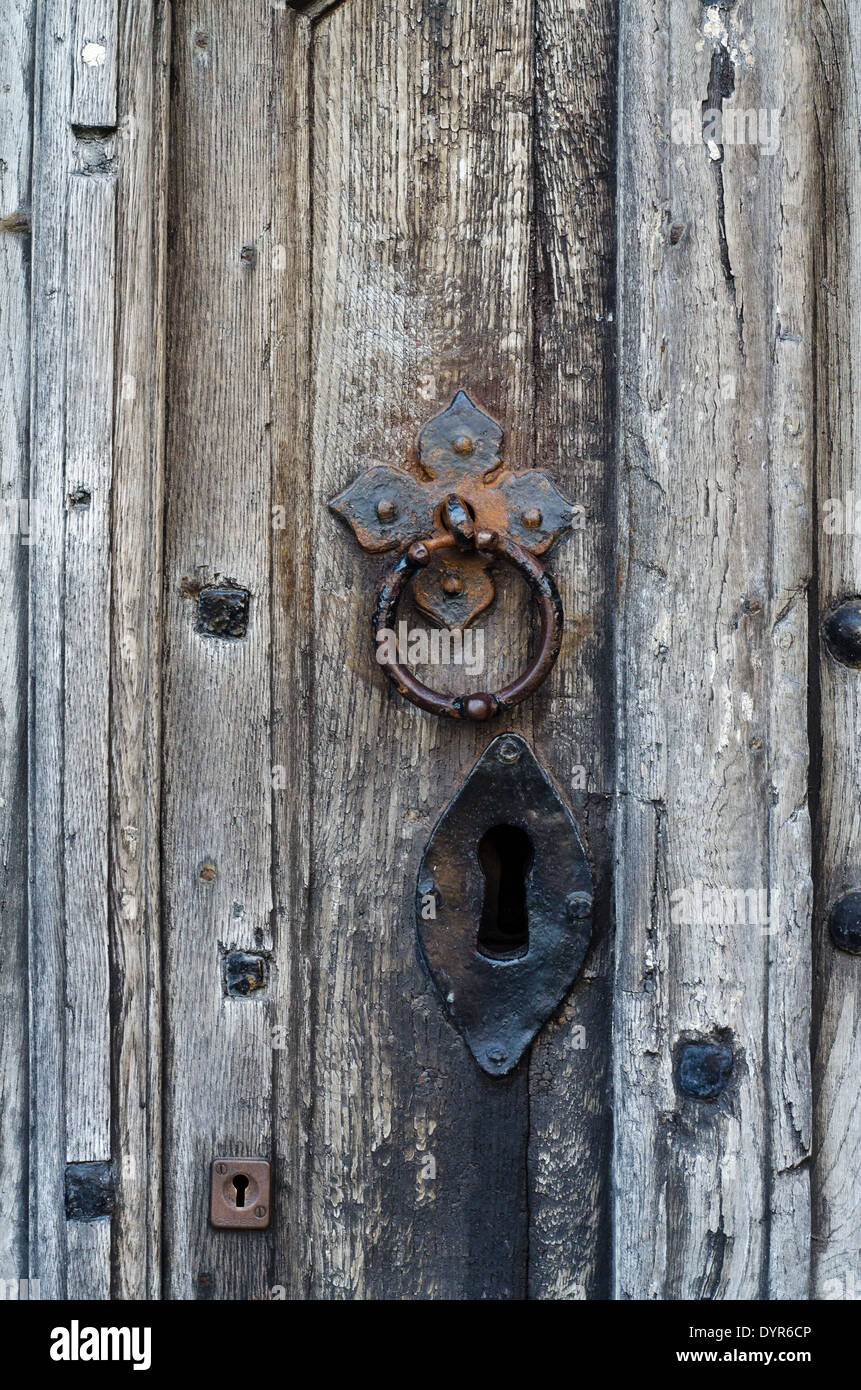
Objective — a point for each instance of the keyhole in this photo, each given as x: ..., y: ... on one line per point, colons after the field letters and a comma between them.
x: 505, y: 855
x: 240, y: 1183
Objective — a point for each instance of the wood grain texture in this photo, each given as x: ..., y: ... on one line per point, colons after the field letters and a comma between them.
x: 837, y: 1124
x: 714, y: 522
x: 421, y: 250
x: 136, y: 580
x: 52, y: 173
x: 89, y: 391
x: 574, y: 341
x: 94, y: 75
x: 217, y: 759
x: 270, y: 242
x: 90, y: 230
x: 291, y: 654
x: 16, y: 537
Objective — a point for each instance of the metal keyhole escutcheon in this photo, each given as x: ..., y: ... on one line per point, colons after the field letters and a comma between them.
x: 467, y: 512
x: 504, y: 903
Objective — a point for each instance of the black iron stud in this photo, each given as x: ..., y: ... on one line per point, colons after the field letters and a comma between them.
x: 844, y: 922
x: 704, y: 1068
x: 841, y: 629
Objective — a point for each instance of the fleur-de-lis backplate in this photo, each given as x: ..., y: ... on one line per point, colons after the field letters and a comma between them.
x: 460, y: 457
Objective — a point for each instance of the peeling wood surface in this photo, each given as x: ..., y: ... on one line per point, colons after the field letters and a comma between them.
x: 136, y: 583
x: 837, y: 1115
x: 269, y: 242
x: 420, y: 286
x: 574, y: 356
x: 89, y: 331
x: 715, y: 518
x: 52, y: 172
x: 94, y: 64
x: 216, y: 746
x: 16, y: 537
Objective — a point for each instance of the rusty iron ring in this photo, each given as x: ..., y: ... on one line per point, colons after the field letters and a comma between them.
x: 481, y: 705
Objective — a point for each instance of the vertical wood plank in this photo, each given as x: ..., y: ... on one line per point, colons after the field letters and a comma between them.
x: 837, y: 1126
x: 52, y: 166
x: 17, y: 534
x: 291, y: 652
x: 716, y: 403
x: 789, y: 380
x: 90, y: 228
x: 421, y: 248
x: 217, y: 813
x: 573, y: 173
x: 94, y: 73
x: 136, y: 580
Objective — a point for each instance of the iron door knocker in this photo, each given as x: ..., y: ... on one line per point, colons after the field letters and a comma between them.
x: 473, y: 506
x: 504, y: 896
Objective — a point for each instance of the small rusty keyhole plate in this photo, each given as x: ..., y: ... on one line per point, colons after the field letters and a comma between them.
x: 224, y: 1210
x: 499, y: 1000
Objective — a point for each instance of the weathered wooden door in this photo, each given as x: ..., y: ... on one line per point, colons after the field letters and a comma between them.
x: 250, y: 249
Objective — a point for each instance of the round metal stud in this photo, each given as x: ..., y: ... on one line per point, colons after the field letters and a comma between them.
x: 844, y: 922
x: 841, y: 629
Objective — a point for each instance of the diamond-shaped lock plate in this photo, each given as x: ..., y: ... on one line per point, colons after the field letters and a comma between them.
x: 499, y: 998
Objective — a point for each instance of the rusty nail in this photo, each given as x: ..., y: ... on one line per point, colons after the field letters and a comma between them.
x: 484, y: 538
x: 452, y: 583
x: 386, y: 509
x: 245, y: 972
x: 532, y: 518
x: 222, y: 610
x: 463, y: 444
x: 419, y: 553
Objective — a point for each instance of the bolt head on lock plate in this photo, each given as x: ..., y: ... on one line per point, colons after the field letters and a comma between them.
x: 235, y: 1179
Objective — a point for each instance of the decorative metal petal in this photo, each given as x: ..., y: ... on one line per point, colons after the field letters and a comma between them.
x: 460, y: 440
x: 500, y: 1004
x: 472, y: 589
x: 539, y: 514
x: 386, y: 508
